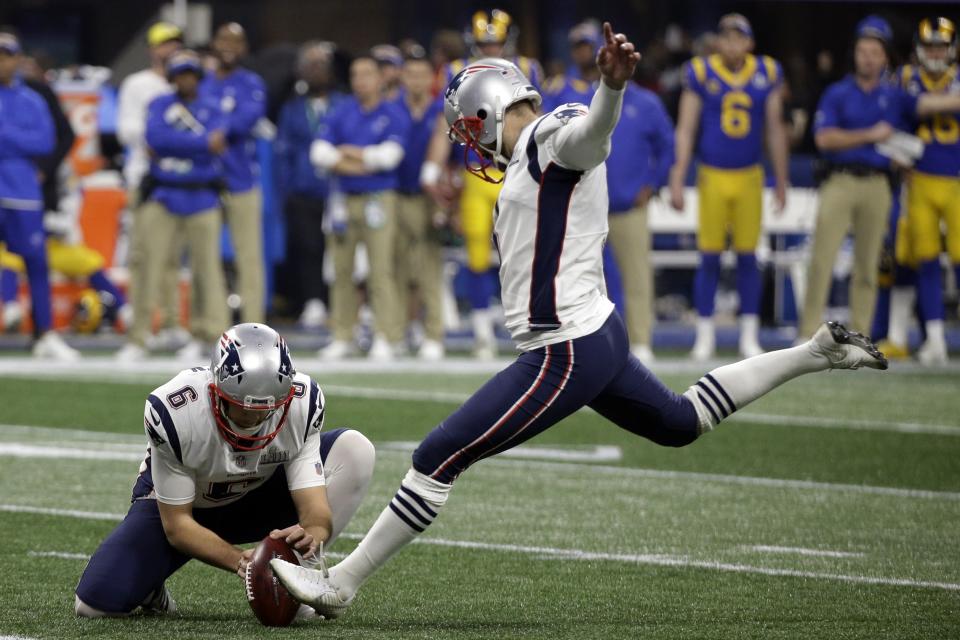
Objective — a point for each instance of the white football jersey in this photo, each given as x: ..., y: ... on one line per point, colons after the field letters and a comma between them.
x: 550, y: 224
x: 191, y: 462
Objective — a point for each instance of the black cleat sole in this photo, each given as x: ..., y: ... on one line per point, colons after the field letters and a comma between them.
x: 842, y: 335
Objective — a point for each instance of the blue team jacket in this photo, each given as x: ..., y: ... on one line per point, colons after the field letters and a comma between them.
x: 296, y: 131
x: 26, y: 131
x: 243, y: 100
x: 181, y: 154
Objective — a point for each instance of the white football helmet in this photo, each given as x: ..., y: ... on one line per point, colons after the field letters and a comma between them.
x: 251, y: 369
x: 474, y: 104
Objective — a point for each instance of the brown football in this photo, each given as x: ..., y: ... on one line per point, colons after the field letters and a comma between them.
x: 270, y: 601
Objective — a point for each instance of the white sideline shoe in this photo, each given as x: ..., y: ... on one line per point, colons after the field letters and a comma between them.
x: 12, y: 316
x: 932, y: 354
x: 192, y: 351
x: 51, y: 346
x: 643, y: 353
x: 310, y: 586
x: 336, y: 350
x: 314, y: 314
x: 131, y: 352
x: 380, y: 350
x: 431, y: 351
x: 846, y: 349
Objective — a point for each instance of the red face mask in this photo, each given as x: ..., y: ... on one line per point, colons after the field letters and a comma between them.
x: 467, y: 131
x: 241, y: 441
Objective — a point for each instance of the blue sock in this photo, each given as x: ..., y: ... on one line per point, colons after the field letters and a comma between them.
x: 705, y: 284
x: 748, y: 283
x: 8, y: 285
x: 39, y: 276
x: 478, y: 289
x: 101, y: 282
x: 929, y: 290
x: 881, y: 315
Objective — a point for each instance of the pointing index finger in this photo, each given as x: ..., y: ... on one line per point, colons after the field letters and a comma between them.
x: 608, y: 33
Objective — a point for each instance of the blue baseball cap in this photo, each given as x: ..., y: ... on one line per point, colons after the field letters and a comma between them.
x: 735, y: 22
x: 9, y: 43
x: 184, y: 60
x: 587, y: 32
x: 873, y: 26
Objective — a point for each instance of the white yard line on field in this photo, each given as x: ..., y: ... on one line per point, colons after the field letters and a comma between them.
x: 132, y: 453
x: 803, y: 551
x: 65, y: 555
x: 580, y: 554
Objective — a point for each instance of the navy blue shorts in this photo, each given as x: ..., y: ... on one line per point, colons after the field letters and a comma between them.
x: 136, y: 557
x: 546, y: 385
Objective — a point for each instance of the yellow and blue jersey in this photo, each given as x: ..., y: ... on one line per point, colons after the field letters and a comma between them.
x: 940, y: 133
x: 732, y: 118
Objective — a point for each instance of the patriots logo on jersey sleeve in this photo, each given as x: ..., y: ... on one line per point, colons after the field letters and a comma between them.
x: 568, y: 111
x: 230, y: 360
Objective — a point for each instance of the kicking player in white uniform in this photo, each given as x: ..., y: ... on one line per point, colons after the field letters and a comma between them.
x: 235, y: 453
x: 550, y: 226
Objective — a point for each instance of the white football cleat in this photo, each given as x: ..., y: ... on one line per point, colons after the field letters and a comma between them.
x: 846, y: 349
x: 160, y: 602
x: 310, y: 586
x: 51, y: 346
x: 12, y: 316
x: 431, y: 350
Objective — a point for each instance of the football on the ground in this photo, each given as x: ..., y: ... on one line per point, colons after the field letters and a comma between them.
x: 270, y: 601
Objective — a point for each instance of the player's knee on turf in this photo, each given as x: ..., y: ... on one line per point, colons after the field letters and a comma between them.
x: 83, y: 610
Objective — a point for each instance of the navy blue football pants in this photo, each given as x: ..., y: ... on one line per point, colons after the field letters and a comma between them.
x: 544, y: 386
x: 136, y: 558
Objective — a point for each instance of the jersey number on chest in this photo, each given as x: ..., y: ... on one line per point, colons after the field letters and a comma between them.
x: 943, y: 128
x: 735, y: 114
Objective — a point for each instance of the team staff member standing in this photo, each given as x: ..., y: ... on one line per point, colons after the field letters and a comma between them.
x: 853, y: 115
x: 363, y: 145
x: 26, y: 132
x: 187, y: 136
x: 137, y: 91
x: 640, y: 157
x: 303, y: 187
x: 242, y: 98
x: 419, y: 252
x: 734, y: 98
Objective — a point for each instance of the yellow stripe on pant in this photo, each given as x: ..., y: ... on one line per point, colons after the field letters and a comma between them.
x: 731, y: 200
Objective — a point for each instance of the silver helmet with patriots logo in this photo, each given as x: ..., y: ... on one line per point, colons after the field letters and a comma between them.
x: 474, y: 105
x: 252, y: 370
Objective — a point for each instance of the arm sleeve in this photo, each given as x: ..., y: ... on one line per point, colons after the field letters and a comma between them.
x: 165, y: 139
x: 248, y: 109
x: 584, y: 142
x: 35, y: 139
x: 172, y: 482
x: 662, y: 143
x: 385, y: 156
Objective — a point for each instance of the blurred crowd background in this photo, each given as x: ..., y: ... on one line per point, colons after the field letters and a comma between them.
x: 85, y: 51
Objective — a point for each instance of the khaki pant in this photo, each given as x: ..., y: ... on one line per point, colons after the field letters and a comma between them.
x: 243, y: 212
x: 202, y: 233
x: 630, y: 239
x: 166, y: 297
x: 419, y: 261
x: 371, y: 219
x: 847, y: 202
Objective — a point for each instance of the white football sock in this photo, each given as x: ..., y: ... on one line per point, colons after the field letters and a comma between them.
x: 412, y: 510
x: 731, y: 387
x: 347, y: 470
x: 935, y: 333
x: 901, y: 309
